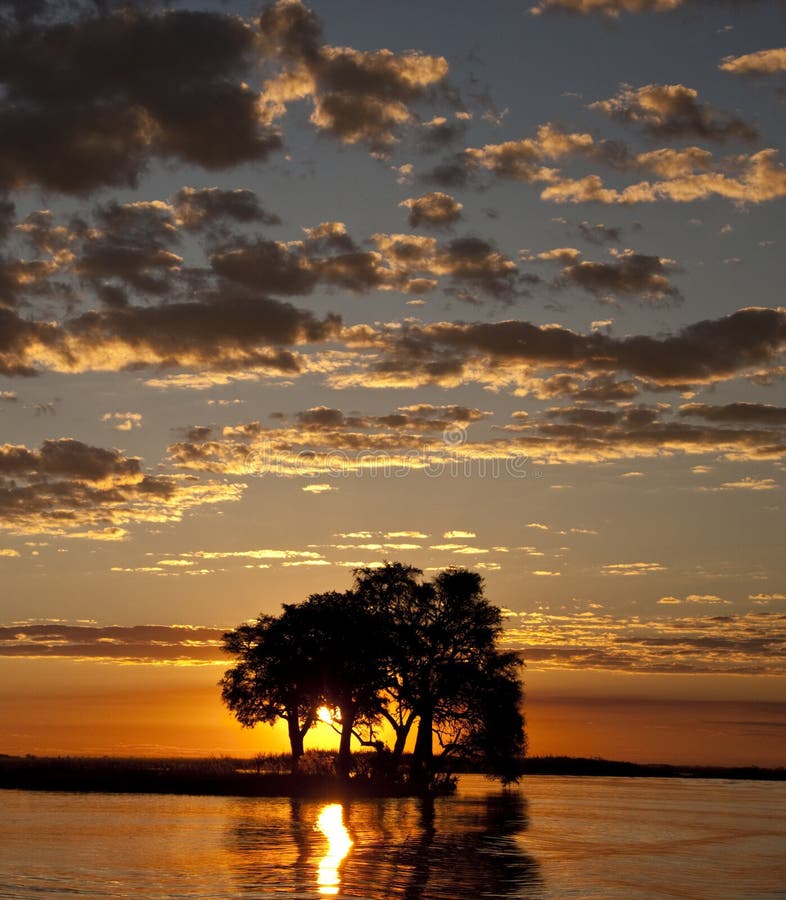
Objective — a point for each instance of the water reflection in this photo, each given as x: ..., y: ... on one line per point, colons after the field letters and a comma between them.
x: 470, y: 845
x: 331, y: 824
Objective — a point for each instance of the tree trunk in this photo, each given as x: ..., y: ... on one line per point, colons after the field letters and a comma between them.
x: 401, y: 740
x: 344, y: 758
x: 423, y: 755
x: 295, y: 741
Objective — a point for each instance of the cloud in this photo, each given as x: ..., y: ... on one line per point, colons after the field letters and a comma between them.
x: 357, y: 96
x: 439, y: 132
x: 523, y: 160
x: 629, y: 274
x: 72, y: 489
x: 763, y: 413
x: 586, y: 434
x: 687, y: 177
x: 508, y: 351
x: 204, y: 207
x: 599, y: 233
x: 750, y: 644
x: 222, y: 330
x: 633, y: 568
x: 610, y: 8
x: 435, y: 209
x: 594, y: 389
x: 319, y: 488
x: 748, y: 484
x: 613, y: 8
x: 175, y: 644
x: 673, y: 111
x: 762, y: 62
x: 110, y: 117
x: 766, y: 598
x: 123, y: 421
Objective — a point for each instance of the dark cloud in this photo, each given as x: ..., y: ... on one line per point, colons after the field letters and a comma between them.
x: 452, y: 173
x: 223, y: 330
x: 134, y: 643
x: 598, y: 389
x: 17, y: 336
x: 476, y: 263
x: 419, y: 417
x: 73, y: 489
x: 132, y: 246
x: 585, y: 434
x: 200, y: 208
x: 321, y: 417
x: 440, y: 133
x: 7, y: 217
x: 629, y: 274
x: 78, y: 85
x: 268, y: 266
x: 599, y: 234
x: 674, y: 111
x: 705, y: 352
x: 736, y: 412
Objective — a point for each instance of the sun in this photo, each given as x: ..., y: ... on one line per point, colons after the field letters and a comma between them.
x: 325, y: 715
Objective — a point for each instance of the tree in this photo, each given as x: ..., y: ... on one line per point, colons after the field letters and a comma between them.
x: 422, y: 656
x: 445, y: 672
x: 345, y: 648
x: 273, y: 678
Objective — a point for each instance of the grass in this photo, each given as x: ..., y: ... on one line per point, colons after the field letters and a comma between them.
x: 267, y: 775
x: 261, y: 776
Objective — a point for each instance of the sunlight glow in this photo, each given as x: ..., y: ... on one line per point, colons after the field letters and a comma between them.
x: 331, y: 824
x: 325, y: 715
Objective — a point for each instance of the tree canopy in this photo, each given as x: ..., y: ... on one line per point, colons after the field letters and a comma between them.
x: 397, y: 657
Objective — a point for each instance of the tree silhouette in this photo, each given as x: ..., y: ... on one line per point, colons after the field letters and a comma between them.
x: 345, y: 646
x: 421, y: 656
x: 274, y: 677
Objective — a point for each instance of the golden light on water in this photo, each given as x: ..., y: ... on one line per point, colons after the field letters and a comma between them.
x: 331, y: 824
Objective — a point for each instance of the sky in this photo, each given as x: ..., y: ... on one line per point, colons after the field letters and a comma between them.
x: 290, y: 289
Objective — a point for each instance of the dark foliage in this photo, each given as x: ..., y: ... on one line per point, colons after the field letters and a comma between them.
x: 421, y: 657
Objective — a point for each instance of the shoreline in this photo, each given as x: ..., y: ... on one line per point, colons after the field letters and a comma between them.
x: 247, y: 777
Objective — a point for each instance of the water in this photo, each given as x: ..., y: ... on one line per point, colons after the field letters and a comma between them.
x: 554, y: 838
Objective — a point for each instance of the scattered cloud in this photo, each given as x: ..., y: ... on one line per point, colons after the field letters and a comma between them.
x: 762, y: 62
x: 632, y: 568
x: 749, y: 644
x: 72, y: 489
x: 673, y: 111
x: 435, y: 209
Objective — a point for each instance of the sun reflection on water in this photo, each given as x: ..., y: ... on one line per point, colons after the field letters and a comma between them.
x: 331, y: 824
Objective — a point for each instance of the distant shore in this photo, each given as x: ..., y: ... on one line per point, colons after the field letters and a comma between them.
x: 266, y: 776
x: 571, y: 765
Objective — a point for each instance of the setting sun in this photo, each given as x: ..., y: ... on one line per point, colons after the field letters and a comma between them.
x: 325, y: 715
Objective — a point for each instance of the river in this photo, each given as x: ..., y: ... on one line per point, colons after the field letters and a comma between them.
x: 552, y: 838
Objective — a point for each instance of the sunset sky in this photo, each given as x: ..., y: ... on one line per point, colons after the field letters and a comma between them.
x: 287, y: 290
